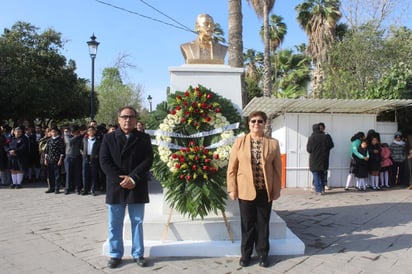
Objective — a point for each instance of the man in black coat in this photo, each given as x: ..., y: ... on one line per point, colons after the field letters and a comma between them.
x: 318, y: 153
x: 126, y: 156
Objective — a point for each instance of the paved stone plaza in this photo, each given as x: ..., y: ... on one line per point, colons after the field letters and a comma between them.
x: 344, y: 232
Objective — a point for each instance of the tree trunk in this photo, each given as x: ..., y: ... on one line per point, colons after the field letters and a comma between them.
x: 267, y: 81
x: 267, y: 78
x: 236, y: 42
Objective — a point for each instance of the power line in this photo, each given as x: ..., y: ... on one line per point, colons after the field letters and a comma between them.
x: 167, y: 16
x: 182, y: 27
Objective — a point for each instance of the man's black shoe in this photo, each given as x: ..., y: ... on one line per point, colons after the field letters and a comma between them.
x: 140, y: 261
x: 263, y: 261
x: 244, y: 262
x: 114, y: 262
x: 49, y: 191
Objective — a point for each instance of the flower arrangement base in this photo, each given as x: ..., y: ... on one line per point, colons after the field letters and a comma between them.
x: 206, y: 237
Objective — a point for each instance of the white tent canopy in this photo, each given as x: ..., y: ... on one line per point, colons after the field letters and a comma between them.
x: 274, y: 106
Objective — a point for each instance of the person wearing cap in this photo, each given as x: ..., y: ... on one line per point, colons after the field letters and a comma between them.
x: 399, y: 156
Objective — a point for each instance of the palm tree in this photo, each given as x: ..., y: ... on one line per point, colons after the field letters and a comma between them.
x: 262, y: 9
x: 318, y: 19
x: 277, y: 33
x: 293, y: 74
x: 251, y: 58
x: 236, y: 42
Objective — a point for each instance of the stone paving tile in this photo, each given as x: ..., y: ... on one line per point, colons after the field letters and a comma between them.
x: 344, y: 232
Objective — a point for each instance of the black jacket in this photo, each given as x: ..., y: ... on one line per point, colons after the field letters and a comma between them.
x: 318, y: 148
x: 131, y: 156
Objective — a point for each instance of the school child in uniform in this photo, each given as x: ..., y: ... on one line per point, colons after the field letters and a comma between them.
x: 386, y: 165
x: 374, y: 162
x: 362, y: 171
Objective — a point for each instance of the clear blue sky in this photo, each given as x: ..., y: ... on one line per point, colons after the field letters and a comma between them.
x: 153, y: 47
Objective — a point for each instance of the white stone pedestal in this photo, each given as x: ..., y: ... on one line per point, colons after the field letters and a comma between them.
x: 221, y: 79
x: 208, y: 237
x: 201, y: 238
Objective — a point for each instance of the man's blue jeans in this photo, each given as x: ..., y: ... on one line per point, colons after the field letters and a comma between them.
x: 318, y: 180
x: 116, y: 218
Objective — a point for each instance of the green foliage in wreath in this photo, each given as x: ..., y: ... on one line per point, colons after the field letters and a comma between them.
x: 193, y: 170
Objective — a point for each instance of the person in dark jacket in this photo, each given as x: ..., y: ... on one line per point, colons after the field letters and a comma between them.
x: 17, y: 152
x: 361, y: 170
x: 53, y: 160
x: 126, y: 156
x: 91, y: 167
x: 329, y: 146
x: 317, y: 147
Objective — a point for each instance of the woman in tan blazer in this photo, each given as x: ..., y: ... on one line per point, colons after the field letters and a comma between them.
x: 254, y: 177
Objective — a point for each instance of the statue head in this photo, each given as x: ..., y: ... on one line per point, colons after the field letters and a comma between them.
x: 205, y: 26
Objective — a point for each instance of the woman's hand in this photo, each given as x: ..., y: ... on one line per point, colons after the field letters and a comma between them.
x: 233, y: 195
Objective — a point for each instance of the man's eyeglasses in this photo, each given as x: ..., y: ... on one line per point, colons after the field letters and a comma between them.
x: 254, y: 121
x: 125, y: 117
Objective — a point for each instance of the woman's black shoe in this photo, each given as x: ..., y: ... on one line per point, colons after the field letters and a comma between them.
x: 263, y: 261
x: 244, y: 262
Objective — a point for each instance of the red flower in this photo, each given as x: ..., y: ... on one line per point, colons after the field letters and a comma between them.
x: 187, y: 94
x: 209, y: 96
x: 216, y: 156
x: 218, y: 110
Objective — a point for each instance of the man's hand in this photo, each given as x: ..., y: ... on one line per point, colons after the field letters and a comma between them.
x: 127, y: 182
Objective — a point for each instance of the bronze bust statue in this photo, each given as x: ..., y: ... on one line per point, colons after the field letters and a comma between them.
x: 204, y: 50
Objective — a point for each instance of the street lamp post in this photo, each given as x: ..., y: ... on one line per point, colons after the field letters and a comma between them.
x: 93, y: 44
x: 149, y: 98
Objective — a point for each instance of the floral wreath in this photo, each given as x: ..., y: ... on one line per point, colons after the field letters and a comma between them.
x: 194, y: 142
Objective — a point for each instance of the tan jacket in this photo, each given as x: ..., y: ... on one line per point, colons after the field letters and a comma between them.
x: 239, y: 170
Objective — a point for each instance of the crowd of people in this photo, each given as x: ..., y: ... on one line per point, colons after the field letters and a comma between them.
x: 67, y: 158
x: 373, y: 164
x: 377, y: 164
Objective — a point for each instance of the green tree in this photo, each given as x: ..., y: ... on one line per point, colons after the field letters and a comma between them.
x: 113, y: 95
x: 356, y: 64
x: 293, y: 74
x: 262, y: 9
x: 318, y: 18
x: 36, y: 81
